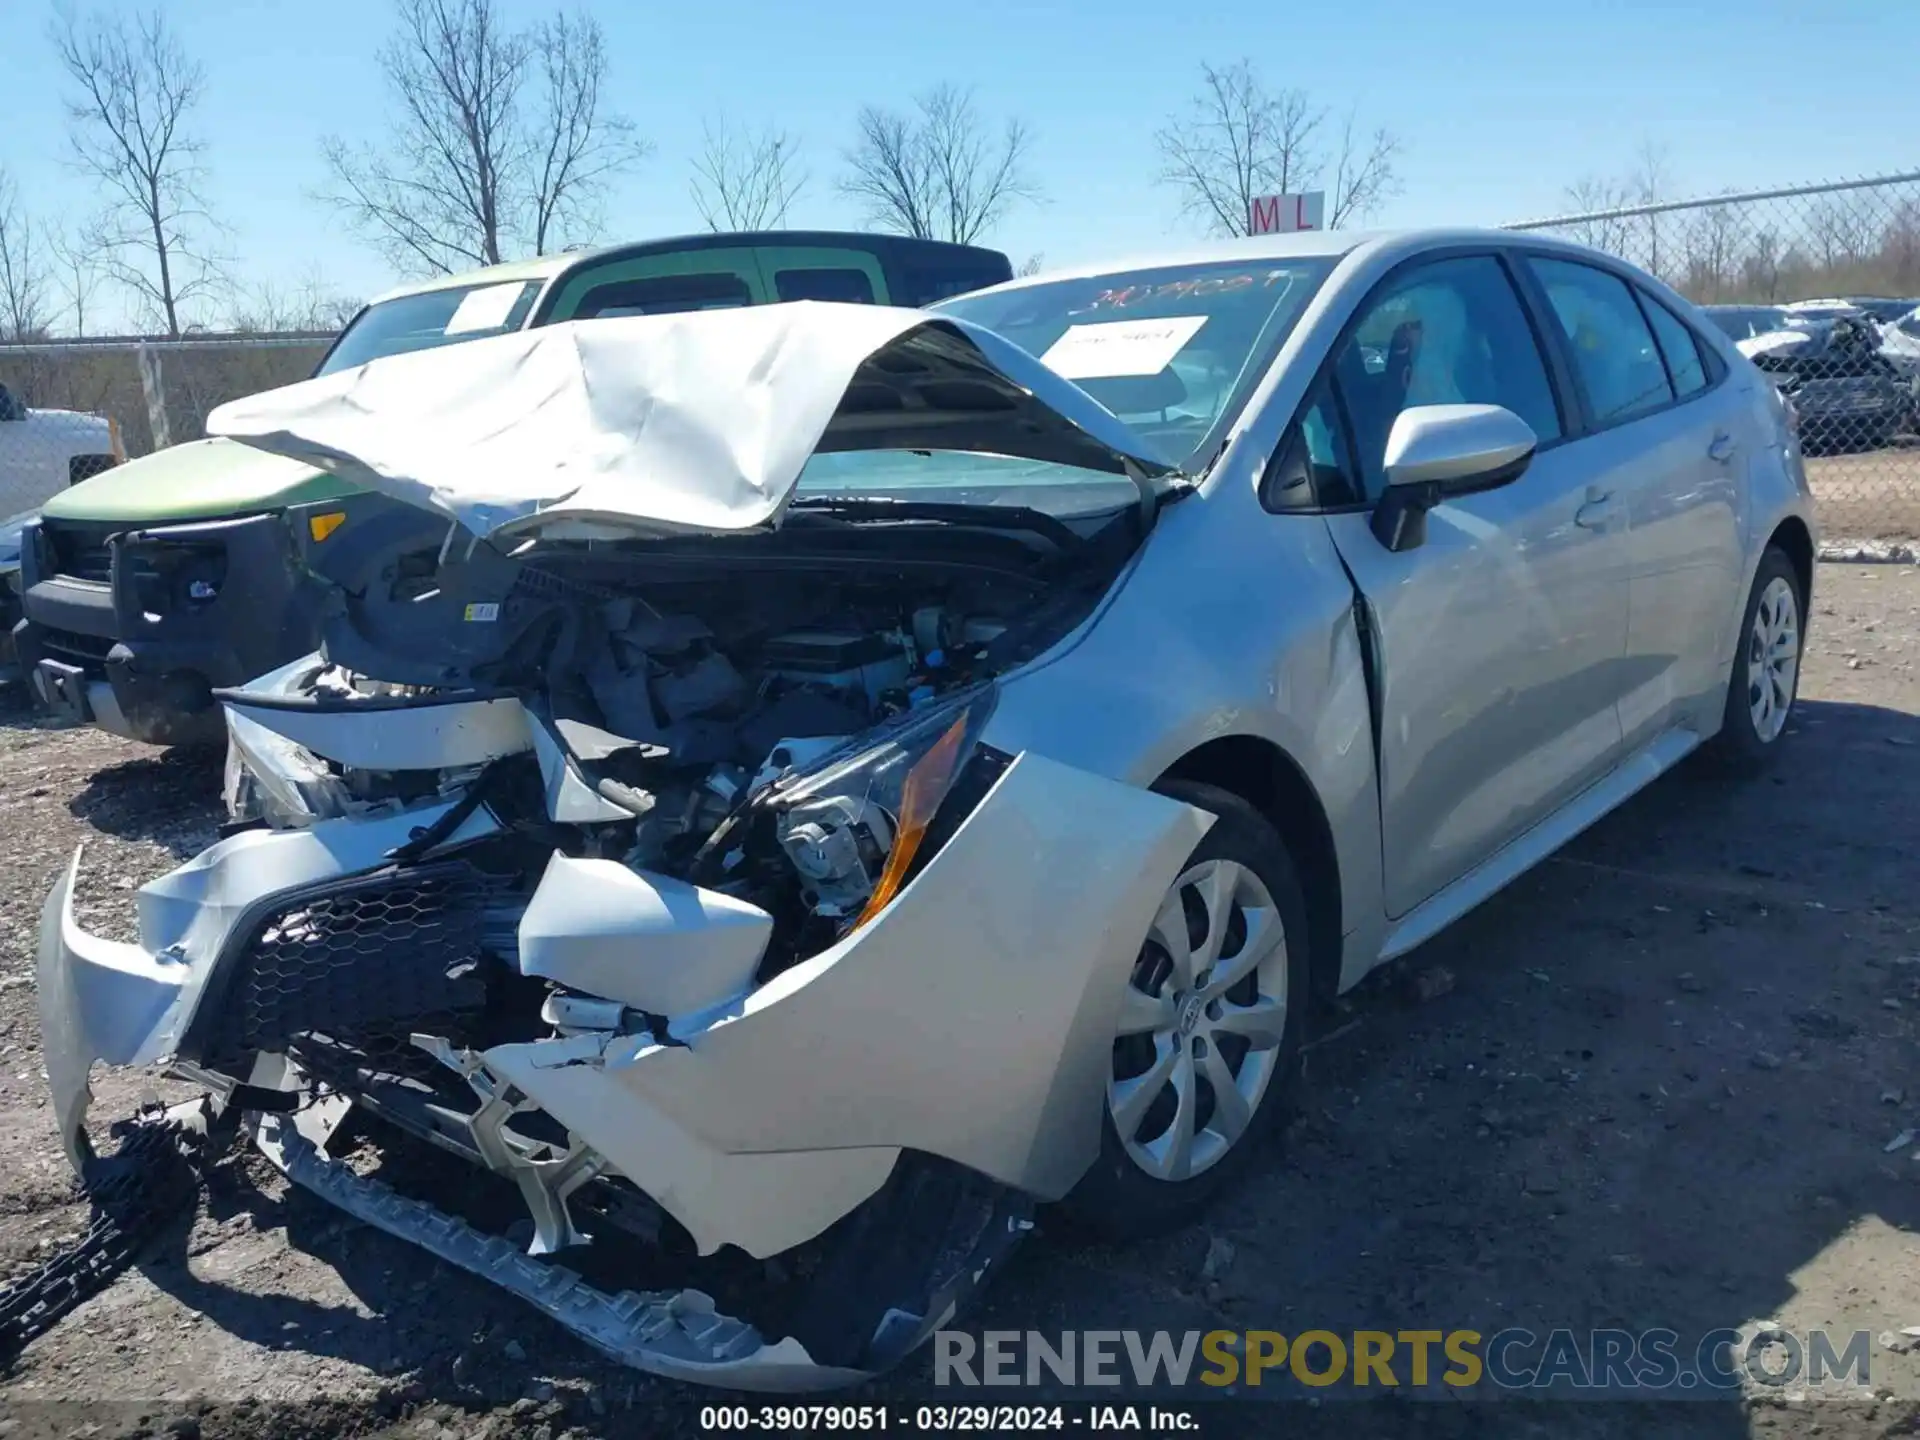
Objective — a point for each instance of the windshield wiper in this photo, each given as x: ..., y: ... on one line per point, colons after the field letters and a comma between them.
x: 882, y: 507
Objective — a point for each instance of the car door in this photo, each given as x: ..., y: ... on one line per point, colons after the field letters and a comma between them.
x: 1668, y: 447
x: 1497, y: 640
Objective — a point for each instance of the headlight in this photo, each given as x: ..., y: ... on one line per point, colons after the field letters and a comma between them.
x: 858, y: 823
x: 270, y: 778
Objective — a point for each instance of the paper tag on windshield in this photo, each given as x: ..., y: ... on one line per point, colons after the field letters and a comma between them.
x: 485, y: 309
x: 1121, y: 347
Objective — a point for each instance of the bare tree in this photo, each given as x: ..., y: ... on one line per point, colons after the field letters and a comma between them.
x: 1712, y: 241
x: 474, y: 166
x: 1594, y: 198
x: 23, y: 269
x: 745, y: 181
x: 578, y: 144
x: 309, y: 304
x: 76, y: 265
x: 1365, y: 172
x: 1649, y: 183
x: 936, y: 173
x: 1237, y: 141
x: 134, y: 93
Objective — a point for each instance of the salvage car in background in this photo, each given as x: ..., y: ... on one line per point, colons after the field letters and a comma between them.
x: 149, y: 587
x: 1849, y: 393
x: 814, y: 782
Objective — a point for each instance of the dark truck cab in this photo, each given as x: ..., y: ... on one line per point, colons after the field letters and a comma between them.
x: 146, y: 589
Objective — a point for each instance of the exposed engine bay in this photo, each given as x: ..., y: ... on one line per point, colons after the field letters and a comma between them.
x: 661, y: 775
x: 744, y: 714
x: 636, y: 837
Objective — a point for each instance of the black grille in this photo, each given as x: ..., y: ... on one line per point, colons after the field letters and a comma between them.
x: 80, y: 550
x: 87, y: 651
x: 364, y: 962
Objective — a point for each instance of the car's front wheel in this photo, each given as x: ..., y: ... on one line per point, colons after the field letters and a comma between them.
x: 1766, y: 673
x: 1209, y: 1030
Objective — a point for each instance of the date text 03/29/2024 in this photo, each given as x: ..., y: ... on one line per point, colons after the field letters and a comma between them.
x: 959, y: 1419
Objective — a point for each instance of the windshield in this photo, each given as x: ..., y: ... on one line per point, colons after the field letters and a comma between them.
x: 430, y: 319
x: 1174, y: 351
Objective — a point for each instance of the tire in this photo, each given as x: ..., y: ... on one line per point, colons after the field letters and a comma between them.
x: 1119, y: 1198
x: 1754, y: 725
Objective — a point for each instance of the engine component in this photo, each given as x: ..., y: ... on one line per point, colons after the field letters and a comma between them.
x: 863, y: 663
x: 838, y: 844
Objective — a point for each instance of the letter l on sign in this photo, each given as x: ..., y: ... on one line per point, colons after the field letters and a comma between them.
x: 1284, y: 214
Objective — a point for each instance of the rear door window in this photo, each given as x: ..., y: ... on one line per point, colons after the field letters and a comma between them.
x: 664, y: 295
x: 1613, y: 349
x: 849, y: 286
x: 662, y: 283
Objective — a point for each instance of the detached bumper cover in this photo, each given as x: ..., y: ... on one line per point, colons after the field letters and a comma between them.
x: 125, y: 1004
x: 971, y: 1021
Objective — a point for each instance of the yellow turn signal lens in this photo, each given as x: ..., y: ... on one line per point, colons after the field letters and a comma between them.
x: 321, y: 526
x: 920, y: 796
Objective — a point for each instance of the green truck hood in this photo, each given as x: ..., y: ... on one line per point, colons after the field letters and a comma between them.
x: 200, y: 480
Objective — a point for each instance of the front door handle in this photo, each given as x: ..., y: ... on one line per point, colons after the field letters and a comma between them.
x: 1597, y: 512
x: 1722, y: 448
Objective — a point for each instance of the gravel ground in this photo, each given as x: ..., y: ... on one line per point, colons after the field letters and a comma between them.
x: 1872, y: 495
x: 1652, y: 1083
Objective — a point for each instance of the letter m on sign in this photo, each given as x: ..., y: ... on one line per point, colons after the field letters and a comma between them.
x: 1283, y: 214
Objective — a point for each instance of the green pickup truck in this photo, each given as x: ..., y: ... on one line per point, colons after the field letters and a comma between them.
x: 148, y: 587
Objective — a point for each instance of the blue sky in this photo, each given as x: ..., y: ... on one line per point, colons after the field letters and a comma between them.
x: 1500, y: 103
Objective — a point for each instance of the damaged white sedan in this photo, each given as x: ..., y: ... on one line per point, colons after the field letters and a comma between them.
x: 807, y: 784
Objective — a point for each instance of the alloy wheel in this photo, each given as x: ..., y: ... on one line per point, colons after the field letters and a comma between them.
x: 1201, y: 1022
x: 1773, y: 658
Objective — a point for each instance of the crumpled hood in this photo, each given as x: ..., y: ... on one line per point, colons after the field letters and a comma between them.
x: 685, y: 423
x: 1774, y: 342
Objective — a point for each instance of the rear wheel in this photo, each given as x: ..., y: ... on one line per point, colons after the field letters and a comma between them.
x: 1209, y: 1031
x: 1766, y: 673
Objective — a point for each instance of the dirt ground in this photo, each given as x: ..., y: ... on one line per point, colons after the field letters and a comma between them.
x: 1872, y: 495
x: 1652, y: 1084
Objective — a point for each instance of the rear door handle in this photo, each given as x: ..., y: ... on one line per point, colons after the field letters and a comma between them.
x: 1597, y: 512
x: 1722, y: 448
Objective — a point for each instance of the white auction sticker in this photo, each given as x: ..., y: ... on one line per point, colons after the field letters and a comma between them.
x: 1121, y: 347
x: 484, y: 309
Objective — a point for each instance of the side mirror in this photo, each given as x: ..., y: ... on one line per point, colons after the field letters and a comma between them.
x: 1439, y: 452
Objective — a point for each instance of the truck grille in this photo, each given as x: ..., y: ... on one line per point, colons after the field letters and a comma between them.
x: 80, y: 549
x: 89, y: 652
x: 364, y: 961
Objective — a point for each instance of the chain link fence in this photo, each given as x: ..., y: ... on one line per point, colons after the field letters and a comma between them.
x: 71, y: 408
x: 1820, y: 286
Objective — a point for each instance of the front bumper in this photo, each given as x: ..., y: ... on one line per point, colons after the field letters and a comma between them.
x: 758, y: 1122
x: 130, y: 655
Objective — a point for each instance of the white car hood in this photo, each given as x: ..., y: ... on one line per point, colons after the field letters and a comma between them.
x: 1772, y: 340
x: 685, y: 423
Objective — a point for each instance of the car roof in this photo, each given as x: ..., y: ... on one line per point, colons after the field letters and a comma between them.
x: 544, y: 267
x: 1300, y: 245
